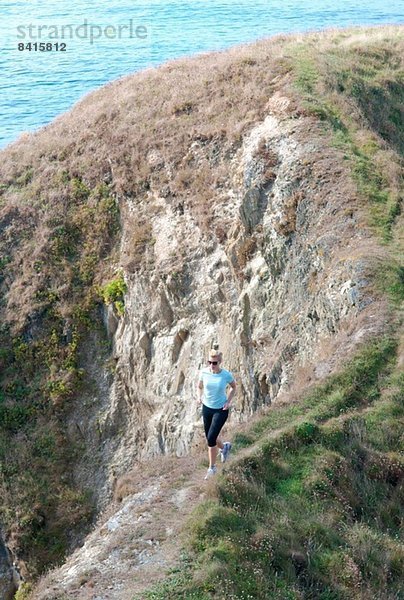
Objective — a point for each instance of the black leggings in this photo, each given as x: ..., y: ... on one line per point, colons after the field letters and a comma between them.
x: 213, y: 421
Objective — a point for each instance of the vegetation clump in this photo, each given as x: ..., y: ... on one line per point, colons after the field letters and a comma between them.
x: 114, y: 292
x: 356, y: 87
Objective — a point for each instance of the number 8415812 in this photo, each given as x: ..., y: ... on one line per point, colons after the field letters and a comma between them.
x: 42, y: 46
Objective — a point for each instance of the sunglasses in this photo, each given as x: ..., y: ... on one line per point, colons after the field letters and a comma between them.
x: 212, y: 362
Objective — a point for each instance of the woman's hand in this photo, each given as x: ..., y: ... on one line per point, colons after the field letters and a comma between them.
x: 226, y: 406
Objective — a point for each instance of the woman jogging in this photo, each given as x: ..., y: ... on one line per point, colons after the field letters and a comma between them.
x: 212, y: 384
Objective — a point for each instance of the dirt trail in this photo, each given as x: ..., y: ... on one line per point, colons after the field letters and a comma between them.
x: 136, y: 539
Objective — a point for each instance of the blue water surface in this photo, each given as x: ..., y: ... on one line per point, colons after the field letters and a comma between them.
x: 131, y: 35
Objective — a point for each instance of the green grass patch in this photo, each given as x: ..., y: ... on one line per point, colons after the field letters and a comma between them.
x: 242, y: 440
x: 370, y: 79
x: 390, y: 281
x: 114, y: 292
x: 357, y: 385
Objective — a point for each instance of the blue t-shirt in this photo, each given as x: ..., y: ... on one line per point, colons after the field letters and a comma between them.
x: 214, y: 387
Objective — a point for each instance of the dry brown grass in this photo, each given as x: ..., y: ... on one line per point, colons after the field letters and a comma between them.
x: 139, y: 237
x: 287, y: 224
x: 211, y: 101
x: 244, y: 251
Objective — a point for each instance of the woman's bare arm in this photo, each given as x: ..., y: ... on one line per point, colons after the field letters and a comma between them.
x: 231, y: 394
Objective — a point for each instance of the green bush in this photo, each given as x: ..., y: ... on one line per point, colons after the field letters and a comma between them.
x: 23, y: 592
x: 113, y: 293
x: 14, y: 417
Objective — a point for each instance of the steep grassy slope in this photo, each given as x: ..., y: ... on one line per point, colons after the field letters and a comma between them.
x: 40, y: 364
x: 66, y: 191
x: 314, y: 507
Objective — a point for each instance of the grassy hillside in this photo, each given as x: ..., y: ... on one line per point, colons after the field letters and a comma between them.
x: 64, y: 194
x: 41, y: 371
x: 356, y: 87
x: 312, y: 505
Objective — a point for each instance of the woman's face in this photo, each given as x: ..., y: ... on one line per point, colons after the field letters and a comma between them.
x: 214, y: 364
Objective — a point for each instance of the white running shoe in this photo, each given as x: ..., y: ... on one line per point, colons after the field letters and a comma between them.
x: 211, y: 471
x: 225, y: 451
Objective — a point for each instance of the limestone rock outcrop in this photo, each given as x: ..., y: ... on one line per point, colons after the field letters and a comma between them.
x: 288, y: 275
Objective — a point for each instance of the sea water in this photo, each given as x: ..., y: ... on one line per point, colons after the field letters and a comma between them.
x: 55, y: 51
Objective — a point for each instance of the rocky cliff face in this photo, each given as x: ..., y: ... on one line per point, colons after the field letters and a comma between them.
x: 288, y: 277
